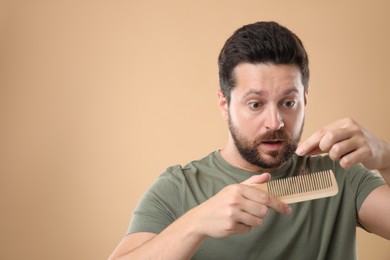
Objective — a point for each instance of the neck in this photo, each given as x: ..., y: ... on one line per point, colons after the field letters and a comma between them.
x: 237, y: 161
x: 231, y: 154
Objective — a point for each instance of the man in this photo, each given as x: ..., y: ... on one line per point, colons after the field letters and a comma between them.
x: 208, y: 209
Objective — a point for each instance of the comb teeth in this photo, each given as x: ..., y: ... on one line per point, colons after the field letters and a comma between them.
x: 299, y: 184
x: 302, y: 187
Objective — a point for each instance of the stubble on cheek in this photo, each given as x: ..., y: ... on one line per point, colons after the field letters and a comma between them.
x: 251, y: 149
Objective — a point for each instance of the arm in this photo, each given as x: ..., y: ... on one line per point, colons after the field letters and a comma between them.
x: 235, y: 209
x: 130, y: 242
x: 347, y: 141
x: 166, y: 245
x: 374, y: 212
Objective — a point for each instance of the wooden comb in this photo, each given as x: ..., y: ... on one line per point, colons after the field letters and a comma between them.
x: 302, y: 187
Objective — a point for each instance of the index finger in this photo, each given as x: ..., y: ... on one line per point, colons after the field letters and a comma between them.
x: 261, y: 196
x: 279, y: 206
x: 311, y: 146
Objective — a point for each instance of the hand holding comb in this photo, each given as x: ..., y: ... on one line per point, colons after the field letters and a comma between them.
x: 302, y: 187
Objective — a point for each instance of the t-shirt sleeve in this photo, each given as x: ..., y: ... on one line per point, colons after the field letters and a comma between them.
x: 363, y: 182
x: 158, y: 207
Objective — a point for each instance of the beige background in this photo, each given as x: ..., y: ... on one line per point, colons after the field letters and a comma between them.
x: 97, y: 98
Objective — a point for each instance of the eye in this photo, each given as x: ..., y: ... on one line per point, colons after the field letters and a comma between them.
x: 289, y: 103
x: 254, y: 105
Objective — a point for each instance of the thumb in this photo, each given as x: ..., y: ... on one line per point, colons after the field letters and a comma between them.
x: 257, y: 179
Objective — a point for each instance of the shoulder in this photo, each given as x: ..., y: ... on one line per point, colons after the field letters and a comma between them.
x: 192, y: 167
x: 178, y: 174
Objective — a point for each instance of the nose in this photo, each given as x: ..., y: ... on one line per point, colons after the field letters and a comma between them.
x: 273, y: 120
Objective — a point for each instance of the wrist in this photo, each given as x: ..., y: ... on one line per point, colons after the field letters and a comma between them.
x: 384, y: 170
x: 385, y: 158
x: 191, y: 226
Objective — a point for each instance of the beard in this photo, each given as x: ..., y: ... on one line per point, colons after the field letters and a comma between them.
x: 251, y: 152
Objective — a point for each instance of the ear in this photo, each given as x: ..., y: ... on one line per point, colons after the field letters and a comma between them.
x: 223, y: 105
x: 305, y: 95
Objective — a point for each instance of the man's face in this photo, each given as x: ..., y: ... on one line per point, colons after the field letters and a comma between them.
x: 266, y: 113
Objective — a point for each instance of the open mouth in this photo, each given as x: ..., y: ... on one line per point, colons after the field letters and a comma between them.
x: 272, y: 142
x: 272, y: 145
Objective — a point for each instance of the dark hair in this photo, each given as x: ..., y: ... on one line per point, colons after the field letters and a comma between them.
x: 261, y: 42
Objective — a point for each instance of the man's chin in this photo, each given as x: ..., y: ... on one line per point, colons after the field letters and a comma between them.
x: 271, y: 156
x: 271, y: 165
x: 274, y: 160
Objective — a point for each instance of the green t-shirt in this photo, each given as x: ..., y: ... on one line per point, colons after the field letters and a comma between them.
x: 318, y: 229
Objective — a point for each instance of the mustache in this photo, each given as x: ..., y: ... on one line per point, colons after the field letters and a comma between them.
x: 272, y: 136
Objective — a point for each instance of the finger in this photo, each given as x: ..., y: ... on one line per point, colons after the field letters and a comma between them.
x: 242, y: 228
x: 311, y: 144
x: 250, y: 220
x: 257, y: 179
x: 254, y: 194
x: 255, y: 208
x: 342, y: 148
x: 322, y: 141
x: 357, y: 156
x: 265, y: 199
x: 315, y: 151
x: 333, y: 137
x: 279, y: 206
x: 251, y: 193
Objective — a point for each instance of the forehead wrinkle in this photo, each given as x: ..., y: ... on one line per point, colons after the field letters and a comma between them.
x: 256, y: 92
x: 263, y: 93
x: 263, y: 80
x: 290, y: 90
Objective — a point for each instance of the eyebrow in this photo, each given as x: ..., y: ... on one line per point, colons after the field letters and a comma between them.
x: 262, y: 92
